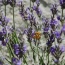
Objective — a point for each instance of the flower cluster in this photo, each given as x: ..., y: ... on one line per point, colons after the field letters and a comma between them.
x: 50, y: 31
x: 62, y: 3
x: 19, y: 49
x: 11, y: 2
x: 3, y: 33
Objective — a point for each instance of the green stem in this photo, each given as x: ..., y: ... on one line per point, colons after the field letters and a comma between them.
x: 53, y: 16
x: 24, y: 57
x: 47, y: 55
x: 62, y: 16
x: 8, y: 61
x: 10, y: 50
x: 33, y: 51
x: 38, y: 53
x: 5, y: 10
x: 48, y: 59
x: 31, y: 46
x: 13, y: 16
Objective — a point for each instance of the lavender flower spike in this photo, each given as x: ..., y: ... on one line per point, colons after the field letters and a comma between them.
x: 62, y: 3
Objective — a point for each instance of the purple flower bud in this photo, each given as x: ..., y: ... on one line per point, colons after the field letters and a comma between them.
x: 16, y: 49
x: 62, y: 3
x: 62, y: 48
x: 25, y: 31
x: 16, y: 61
x: 3, y: 43
x: 1, y: 36
x: 4, y: 31
x: 52, y: 38
x: 54, y: 9
x: 0, y: 23
x: 63, y: 28
x: 57, y: 34
x: 46, y: 29
x: 19, y: 49
x: 37, y: 9
x: 34, y: 7
x: 16, y: 46
x: 5, y: 2
x: 56, y: 61
x: 52, y: 50
x: 37, y: 2
x: 11, y: 3
x: 58, y: 17
x: 49, y: 44
x: 4, y: 20
x: 1, y: 2
x: 53, y: 22
x: 24, y: 48
x: 1, y: 62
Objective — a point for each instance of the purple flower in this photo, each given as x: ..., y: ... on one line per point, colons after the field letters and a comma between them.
x: 1, y: 36
x: 3, y: 43
x: 46, y: 29
x: 0, y: 23
x: 56, y: 52
x: 37, y: 2
x: 57, y: 34
x: 1, y: 2
x: 19, y: 49
x: 52, y: 38
x: 16, y: 46
x: 63, y: 28
x: 4, y: 20
x: 54, y: 9
x: 6, y: 2
x: 34, y: 7
x: 53, y: 22
x: 16, y: 61
x: 38, y: 11
x: 29, y: 31
x: 11, y: 2
x: 25, y: 31
x: 3, y: 39
x: 62, y: 3
x: 1, y: 63
x: 58, y: 17
x: 24, y: 48
x: 16, y: 49
x: 56, y: 61
x: 4, y: 31
x: 31, y: 17
x: 62, y: 48
x: 52, y: 50
x: 49, y: 44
